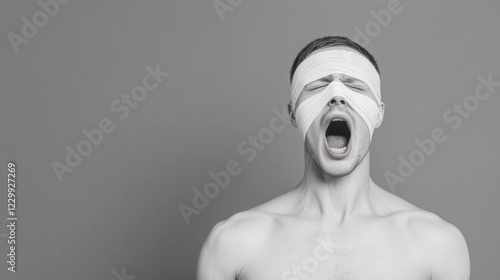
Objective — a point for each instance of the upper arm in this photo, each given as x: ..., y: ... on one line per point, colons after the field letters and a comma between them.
x: 231, y: 245
x: 216, y: 261
x: 451, y: 255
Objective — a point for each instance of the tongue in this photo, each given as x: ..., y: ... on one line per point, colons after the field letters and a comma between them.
x: 336, y: 141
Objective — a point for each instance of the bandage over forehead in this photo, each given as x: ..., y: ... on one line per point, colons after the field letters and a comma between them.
x: 325, y: 63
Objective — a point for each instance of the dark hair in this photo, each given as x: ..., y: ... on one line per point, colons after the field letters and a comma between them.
x: 330, y: 41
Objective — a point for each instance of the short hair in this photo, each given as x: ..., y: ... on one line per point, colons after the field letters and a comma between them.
x: 330, y: 41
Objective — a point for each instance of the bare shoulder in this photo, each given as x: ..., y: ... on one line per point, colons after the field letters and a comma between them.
x: 428, y: 227
x: 249, y: 226
x: 440, y: 244
x: 232, y: 243
x: 420, y: 225
x: 244, y: 233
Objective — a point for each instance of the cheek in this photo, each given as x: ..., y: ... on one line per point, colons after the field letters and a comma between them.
x: 315, y: 137
x: 362, y: 132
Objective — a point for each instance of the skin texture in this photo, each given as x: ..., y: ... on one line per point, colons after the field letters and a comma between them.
x: 337, y: 223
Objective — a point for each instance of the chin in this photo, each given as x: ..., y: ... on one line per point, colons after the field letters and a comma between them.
x: 338, y: 169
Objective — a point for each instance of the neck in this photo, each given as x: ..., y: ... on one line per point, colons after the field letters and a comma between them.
x: 335, y: 198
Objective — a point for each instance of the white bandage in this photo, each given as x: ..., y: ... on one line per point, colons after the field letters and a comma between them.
x: 325, y: 63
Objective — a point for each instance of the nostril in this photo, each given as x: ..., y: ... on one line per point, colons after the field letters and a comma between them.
x: 335, y: 101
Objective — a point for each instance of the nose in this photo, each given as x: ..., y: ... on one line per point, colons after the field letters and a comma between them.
x: 337, y: 100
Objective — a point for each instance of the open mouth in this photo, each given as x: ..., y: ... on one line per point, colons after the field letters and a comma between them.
x: 337, y: 136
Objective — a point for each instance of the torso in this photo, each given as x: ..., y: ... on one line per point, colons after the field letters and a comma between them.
x: 288, y: 247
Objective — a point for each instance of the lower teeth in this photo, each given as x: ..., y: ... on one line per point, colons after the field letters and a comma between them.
x: 338, y: 151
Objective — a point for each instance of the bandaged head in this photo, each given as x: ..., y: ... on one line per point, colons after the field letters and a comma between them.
x: 328, y: 62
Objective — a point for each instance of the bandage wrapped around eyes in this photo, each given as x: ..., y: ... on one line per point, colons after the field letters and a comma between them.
x: 325, y: 63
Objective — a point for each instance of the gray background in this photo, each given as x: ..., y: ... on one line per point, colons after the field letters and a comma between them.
x: 119, y: 207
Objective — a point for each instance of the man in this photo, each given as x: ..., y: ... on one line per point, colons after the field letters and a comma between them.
x: 337, y: 223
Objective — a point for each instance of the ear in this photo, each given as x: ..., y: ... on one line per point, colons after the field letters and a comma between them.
x: 291, y: 114
x: 381, y: 109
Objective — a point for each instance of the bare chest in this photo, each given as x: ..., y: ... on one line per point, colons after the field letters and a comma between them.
x: 376, y: 254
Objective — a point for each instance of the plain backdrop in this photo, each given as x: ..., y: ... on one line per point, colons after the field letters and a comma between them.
x: 119, y: 208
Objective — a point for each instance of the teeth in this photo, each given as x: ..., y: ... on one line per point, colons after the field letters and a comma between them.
x: 338, y: 151
x: 338, y: 120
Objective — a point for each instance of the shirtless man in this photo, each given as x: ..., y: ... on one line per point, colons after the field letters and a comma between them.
x: 337, y: 224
